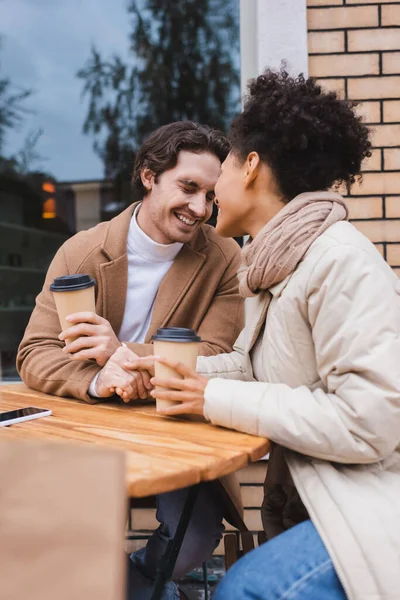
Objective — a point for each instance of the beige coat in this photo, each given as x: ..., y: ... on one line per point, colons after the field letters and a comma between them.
x: 199, y: 291
x: 321, y: 377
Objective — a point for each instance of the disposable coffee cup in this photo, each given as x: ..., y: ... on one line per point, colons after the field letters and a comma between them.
x: 176, y: 343
x: 72, y: 294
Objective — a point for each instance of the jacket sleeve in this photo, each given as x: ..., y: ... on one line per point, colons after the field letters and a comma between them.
x: 41, y: 362
x: 224, y: 318
x: 226, y: 366
x: 354, y: 416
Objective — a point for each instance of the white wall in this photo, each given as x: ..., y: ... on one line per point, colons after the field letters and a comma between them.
x: 87, y: 204
x: 272, y: 31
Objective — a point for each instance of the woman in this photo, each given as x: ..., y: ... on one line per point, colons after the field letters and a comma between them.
x: 316, y: 369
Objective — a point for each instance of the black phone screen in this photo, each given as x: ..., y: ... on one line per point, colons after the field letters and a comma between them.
x: 20, y: 412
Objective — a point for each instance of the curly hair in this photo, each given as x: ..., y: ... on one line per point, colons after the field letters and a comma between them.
x: 311, y: 139
x: 160, y: 150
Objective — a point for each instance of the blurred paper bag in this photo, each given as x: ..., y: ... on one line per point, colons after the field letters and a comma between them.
x: 62, y: 516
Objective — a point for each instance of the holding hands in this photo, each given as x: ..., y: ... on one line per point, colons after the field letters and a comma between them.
x: 187, y: 390
x: 91, y: 337
x: 118, y: 377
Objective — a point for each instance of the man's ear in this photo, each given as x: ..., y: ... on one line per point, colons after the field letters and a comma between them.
x: 147, y: 177
x: 252, y: 167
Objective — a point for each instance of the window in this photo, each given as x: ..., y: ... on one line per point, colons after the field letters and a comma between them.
x: 66, y: 150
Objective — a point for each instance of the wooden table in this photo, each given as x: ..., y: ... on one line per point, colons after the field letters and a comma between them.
x: 162, y: 454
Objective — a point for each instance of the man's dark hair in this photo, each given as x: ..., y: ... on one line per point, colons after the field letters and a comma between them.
x: 311, y: 139
x: 160, y: 150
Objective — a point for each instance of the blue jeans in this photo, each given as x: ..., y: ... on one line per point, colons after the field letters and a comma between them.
x: 292, y: 566
x: 202, y: 536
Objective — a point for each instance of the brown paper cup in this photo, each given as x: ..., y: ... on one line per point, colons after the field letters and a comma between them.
x: 184, y: 352
x: 72, y: 294
x: 177, y: 343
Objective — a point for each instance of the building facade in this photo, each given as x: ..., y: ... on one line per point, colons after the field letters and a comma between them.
x: 352, y: 47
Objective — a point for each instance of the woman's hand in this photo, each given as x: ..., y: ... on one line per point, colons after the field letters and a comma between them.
x: 189, y: 390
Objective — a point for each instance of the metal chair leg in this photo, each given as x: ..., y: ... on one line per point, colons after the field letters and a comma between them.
x: 205, y: 579
x: 168, y: 561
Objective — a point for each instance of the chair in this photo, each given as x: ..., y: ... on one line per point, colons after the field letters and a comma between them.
x: 239, y: 543
x: 150, y: 502
x: 62, y: 516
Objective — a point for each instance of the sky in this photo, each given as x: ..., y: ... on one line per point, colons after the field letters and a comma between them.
x: 43, y: 44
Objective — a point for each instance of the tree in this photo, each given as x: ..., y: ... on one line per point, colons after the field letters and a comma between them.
x: 182, y: 67
x: 17, y: 178
x: 12, y: 110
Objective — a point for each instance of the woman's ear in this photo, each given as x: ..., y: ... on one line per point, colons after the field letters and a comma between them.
x: 252, y: 167
x: 147, y: 177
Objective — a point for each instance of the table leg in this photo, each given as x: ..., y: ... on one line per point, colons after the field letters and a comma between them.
x: 167, y: 563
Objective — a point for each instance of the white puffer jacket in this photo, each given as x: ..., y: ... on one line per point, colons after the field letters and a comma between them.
x: 323, y: 381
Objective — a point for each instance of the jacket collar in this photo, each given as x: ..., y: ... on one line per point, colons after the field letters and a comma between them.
x: 256, y: 310
x: 277, y: 289
x: 115, y: 272
x: 114, y: 240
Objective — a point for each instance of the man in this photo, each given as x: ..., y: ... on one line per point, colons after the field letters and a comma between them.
x: 156, y: 264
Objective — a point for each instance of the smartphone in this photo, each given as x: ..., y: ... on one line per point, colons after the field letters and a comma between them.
x: 22, y: 414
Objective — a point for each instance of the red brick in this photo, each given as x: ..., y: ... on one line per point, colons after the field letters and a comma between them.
x: 391, y: 111
x: 374, y: 39
x: 325, y: 41
x: 393, y: 254
x: 333, y: 85
x: 252, y: 495
x: 342, y: 18
x: 397, y: 271
x: 323, y: 2
x: 342, y: 190
x: 392, y: 204
x: 252, y: 518
x: 369, y: 111
x: 377, y: 183
x: 391, y: 15
x: 253, y: 473
x: 374, y: 87
x: 380, y: 249
x: 334, y: 65
x: 367, y: 1
x: 380, y: 231
x: 374, y: 162
x: 391, y: 63
x: 392, y: 159
x: 385, y: 135
x: 365, y: 208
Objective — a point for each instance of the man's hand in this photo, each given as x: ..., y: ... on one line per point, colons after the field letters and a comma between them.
x: 116, y: 378
x: 187, y: 392
x: 92, y: 338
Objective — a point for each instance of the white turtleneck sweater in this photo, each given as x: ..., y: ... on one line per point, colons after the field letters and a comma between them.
x: 148, y: 263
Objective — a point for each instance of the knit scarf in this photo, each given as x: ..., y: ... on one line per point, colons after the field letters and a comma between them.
x: 282, y: 243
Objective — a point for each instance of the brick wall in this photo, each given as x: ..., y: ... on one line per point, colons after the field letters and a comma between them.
x: 354, y: 47
x: 143, y: 519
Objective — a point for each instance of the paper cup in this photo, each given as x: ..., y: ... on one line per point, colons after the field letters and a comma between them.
x: 176, y: 343
x: 72, y: 294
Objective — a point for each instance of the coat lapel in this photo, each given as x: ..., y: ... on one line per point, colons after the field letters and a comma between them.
x: 114, y: 282
x: 174, y: 286
x: 256, y: 312
x: 114, y: 273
